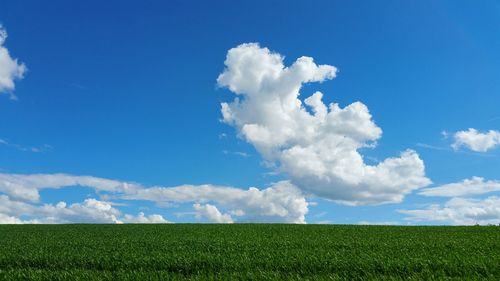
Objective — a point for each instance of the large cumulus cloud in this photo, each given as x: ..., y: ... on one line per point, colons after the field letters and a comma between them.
x: 319, y: 150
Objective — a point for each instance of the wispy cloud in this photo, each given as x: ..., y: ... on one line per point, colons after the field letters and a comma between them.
x: 433, y: 147
x: 35, y: 149
x: 449, y: 149
x: 237, y: 153
x: 474, y: 185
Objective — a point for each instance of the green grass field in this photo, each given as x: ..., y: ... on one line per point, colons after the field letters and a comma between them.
x: 248, y: 252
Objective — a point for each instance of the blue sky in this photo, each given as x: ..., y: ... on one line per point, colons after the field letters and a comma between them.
x: 128, y: 91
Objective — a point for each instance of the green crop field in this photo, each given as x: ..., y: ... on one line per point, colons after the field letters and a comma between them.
x: 248, y: 252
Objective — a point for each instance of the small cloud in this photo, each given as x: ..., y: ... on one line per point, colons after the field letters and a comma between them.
x: 475, y: 140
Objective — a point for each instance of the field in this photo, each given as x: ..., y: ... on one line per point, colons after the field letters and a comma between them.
x: 248, y: 252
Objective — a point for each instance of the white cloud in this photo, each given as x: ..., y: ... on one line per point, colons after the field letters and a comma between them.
x: 10, y: 69
x: 476, y: 141
x: 281, y: 202
x: 474, y: 185
x: 460, y: 211
x: 141, y: 218
x: 14, y: 208
x: 211, y: 213
x: 318, y: 151
x: 25, y: 187
x: 4, y: 219
x: 89, y: 211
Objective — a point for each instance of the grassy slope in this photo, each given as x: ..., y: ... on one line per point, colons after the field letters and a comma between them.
x: 251, y: 251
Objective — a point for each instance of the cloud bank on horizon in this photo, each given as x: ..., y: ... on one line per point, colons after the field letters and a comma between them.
x: 280, y: 202
x: 459, y: 211
x: 462, y: 208
x: 315, y: 145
